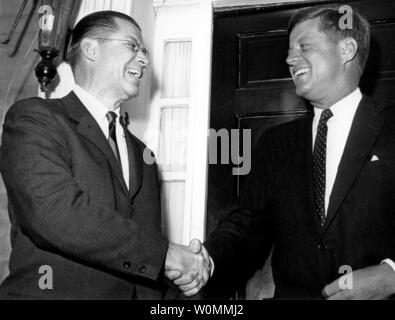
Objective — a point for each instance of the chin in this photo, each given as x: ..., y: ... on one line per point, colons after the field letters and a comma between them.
x: 132, y: 92
x: 303, y: 91
x: 133, y: 95
x: 300, y: 92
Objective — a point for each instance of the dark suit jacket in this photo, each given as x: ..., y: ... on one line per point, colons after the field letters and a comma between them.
x: 276, y: 207
x: 70, y: 208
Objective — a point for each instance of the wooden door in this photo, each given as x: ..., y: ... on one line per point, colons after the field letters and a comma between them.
x: 251, y: 88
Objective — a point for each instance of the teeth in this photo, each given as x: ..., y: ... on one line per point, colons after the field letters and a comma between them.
x: 300, y: 72
x: 135, y: 72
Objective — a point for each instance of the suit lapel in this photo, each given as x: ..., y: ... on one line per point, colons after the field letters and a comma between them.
x: 303, y: 175
x: 89, y: 129
x: 135, y: 164
x: 365, y: 129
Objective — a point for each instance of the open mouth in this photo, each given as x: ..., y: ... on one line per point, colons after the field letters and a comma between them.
x: 136, y: 73
x: 299, y: 73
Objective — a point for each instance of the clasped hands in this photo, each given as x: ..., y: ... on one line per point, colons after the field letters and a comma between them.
x: 189, y: 267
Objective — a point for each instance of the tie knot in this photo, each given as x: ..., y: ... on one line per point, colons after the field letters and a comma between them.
x: 325, y: 115
x: 111, y: 116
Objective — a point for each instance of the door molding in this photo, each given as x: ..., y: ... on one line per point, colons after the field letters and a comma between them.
x: 231, y: 5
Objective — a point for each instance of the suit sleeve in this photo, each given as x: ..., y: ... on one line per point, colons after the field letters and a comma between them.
x: 242, y: 241
x: 55, y: 213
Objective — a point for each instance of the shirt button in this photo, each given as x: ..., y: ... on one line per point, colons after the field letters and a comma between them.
x: 143, y: 269
x: 126, y: 264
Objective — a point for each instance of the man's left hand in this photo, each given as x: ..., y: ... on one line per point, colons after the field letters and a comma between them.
x: 371, y: 283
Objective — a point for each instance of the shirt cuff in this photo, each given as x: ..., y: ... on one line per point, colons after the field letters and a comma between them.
x: 390, y: 263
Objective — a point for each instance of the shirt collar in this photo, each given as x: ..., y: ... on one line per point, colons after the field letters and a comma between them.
x: 342, y: 109
x: 95, y: 107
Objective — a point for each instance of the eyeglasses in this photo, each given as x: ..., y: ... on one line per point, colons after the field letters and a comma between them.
x: 134, y: 46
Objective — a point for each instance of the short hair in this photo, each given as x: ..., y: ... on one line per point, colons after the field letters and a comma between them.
x: 92, y: 25
x: 330, y: 17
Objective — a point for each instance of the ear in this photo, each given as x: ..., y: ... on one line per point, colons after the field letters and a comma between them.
x: 89, y: 49
x: 349, y: 49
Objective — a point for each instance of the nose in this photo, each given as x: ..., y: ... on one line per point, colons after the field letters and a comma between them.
x: 143, y: 58
x: 293, y: 57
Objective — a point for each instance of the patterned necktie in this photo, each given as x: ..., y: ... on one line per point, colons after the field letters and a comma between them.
x: 112, y: 138
x: 319, y: 165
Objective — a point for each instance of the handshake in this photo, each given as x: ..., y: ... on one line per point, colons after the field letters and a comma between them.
x: 189, y: 267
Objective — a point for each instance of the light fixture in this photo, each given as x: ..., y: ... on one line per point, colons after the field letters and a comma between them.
x: 54, y: 17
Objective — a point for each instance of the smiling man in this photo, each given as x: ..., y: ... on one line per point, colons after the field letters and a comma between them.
x: 321, y: 190
x: 83, y: 205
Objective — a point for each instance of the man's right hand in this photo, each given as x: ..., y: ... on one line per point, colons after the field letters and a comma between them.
x: 188, y: 267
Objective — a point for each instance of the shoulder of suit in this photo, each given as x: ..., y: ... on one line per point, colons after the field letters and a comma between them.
x: 388, y: 112
x: 386, y: 108
x: 290, y: 127
x: 34, y: 104
x: 285, y: 132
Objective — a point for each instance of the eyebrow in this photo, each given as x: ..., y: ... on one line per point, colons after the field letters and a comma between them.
x: 134, y: 39
x: 304, y: 38
x: 300, y: 40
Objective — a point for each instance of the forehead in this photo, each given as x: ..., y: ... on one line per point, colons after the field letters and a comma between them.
x: 128, y: 30
x: 307, y: 29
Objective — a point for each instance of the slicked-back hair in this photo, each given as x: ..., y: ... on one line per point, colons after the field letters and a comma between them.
x: 330, y: 18
x: 95, y: 24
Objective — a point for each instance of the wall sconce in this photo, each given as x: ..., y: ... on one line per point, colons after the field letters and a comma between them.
x: 54, y: 17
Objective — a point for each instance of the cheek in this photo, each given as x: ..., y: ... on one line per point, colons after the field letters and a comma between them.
x: 322, y: 65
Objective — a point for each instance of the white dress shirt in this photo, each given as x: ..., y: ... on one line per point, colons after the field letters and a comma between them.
x: 339, y: 126
x: 98, y: 110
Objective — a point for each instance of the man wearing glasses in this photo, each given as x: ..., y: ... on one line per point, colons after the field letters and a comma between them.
x: 84, y: 206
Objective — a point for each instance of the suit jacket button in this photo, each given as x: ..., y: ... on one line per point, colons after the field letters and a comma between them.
x: 143, y: 269
x: 322, y: 247
x: 126, y: 264
x: 131, y: 201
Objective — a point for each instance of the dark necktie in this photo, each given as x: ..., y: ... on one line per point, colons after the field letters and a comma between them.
x: 112, y: 138
x: 319, y: 165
